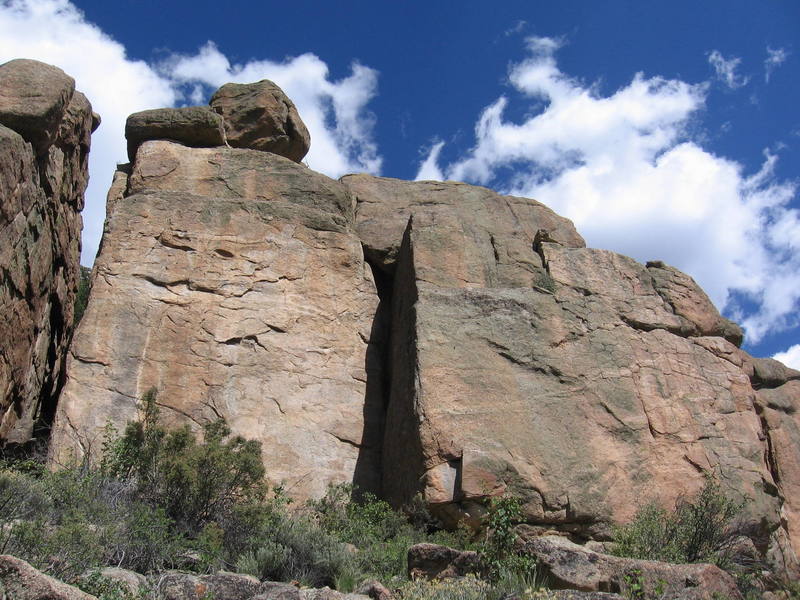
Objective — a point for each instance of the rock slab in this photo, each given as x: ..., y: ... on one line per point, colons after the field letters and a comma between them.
x: 196, y: 126
x: 20, y: 581
x: 45, y: 135
x: 570, y: 566
x: 578, y: 380
x: 232, y: 282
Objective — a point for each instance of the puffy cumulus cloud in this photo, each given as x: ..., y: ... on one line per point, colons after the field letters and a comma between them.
x: 726, y: 69
x: 334, y: 111
x: 774, y: 59
x: 56, y: 32
x: 790, y: 357
x: 624, y: 168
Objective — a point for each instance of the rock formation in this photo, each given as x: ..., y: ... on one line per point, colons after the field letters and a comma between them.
x: 233, y: 282
x: 45, y: 128
x: 417, y: 338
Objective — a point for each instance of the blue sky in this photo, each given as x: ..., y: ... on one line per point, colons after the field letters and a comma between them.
x: 665, y: 130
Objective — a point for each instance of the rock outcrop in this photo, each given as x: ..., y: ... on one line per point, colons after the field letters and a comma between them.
x: 576, y: 379
x: 261, y: 117
x: 45, y: 129
x: 20, y: 581
x: 418, y: 338
x: 569, y: 566
x: 232, y: 281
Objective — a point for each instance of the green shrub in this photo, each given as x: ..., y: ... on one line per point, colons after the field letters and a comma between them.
x: 195, y: 483
x: 499, y: 554
x: 381, y: 534
x: 701, y: 529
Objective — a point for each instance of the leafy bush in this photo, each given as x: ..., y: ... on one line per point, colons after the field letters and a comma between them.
x: 195, y: 483
x: 381, y: 534
x: 498, y: 552
x: 702, y: 529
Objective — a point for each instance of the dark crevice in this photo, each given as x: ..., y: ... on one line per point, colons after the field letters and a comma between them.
x: 769, y: 453
x: 368, y: 472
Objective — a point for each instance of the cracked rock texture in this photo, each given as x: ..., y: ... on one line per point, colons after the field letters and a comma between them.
x: 45, y: 130
x: 232, y: 281
x: 577, y: 379
x: 488, y: 351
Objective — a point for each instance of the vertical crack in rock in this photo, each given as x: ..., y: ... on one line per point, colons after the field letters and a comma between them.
x: 368, y: 474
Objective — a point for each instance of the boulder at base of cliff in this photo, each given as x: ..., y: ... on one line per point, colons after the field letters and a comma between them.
x: 20, y: 581
x: 570, y: 566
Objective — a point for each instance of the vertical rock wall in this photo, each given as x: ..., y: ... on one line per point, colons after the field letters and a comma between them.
x: 578, y: 380
x: 232, y: 282
x: 45, y: 129
x: 489, y: 351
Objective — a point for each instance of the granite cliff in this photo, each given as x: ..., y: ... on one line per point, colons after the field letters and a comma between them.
x: 45, y: 134
x: 413, y: 338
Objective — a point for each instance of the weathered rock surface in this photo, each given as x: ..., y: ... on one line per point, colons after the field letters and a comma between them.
x: 45, y: 129
x: 261, y: 117
x: 568, y: 565
x: 432, y: 561
x: 579, y: 380
x: 20, y: 581
x: 486, y: 240
x: 492, y: 353
x: 33, y: 99
x: 129, y: 582
x: 196, y: 126
x: 231, y: 280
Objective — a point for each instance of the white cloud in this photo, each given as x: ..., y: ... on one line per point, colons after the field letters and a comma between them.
x: 624, y: 168
x: 429, y: 169
x: 790, y: 357
x: 56, y: 32
x: 774, y: 59
x: 726, y: 69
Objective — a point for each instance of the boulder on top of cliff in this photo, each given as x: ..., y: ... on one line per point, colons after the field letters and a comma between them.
x: 260, y: 116
x: 196, y: 126
x: 33, y: 99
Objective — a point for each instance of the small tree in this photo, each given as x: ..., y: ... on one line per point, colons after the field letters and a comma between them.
x: 195, y: 483
x: 700, y: 529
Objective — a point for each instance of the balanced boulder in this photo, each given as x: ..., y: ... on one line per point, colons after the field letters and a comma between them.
x: 33, y: 99
x: 261, y: 117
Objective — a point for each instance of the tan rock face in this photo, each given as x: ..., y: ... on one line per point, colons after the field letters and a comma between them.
x: 232, y: 282
x: 579, y: 380
x: 43, y: 174
x: 492, y: 353
x: 490, y: 237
